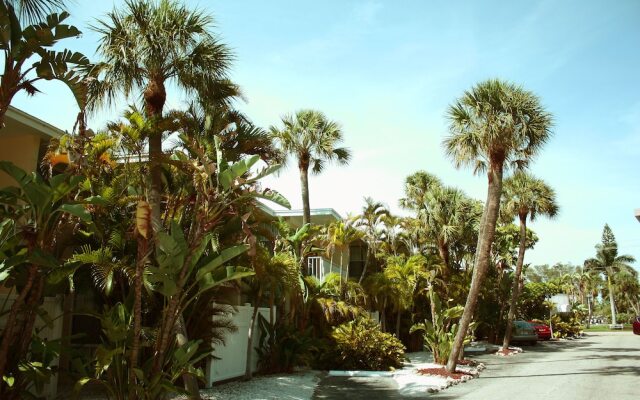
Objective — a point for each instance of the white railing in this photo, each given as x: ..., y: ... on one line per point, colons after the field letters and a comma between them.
x: 315, y: 267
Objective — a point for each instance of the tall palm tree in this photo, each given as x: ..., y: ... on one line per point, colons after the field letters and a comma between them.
x: 370, y: 222
x: 525, y: 197
x: 144, y: 46
x: 493, y: 126
x: 608, y: 262
x: 312, y: 139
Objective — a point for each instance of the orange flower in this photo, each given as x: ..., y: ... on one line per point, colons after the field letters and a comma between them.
x: 58, y: 158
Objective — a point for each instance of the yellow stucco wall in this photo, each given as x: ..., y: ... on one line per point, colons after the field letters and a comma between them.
x: 21, y: 150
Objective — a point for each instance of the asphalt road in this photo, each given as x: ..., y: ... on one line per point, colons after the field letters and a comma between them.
x: 600, y: 366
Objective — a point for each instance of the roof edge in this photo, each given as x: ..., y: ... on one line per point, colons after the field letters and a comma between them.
x: 298, y: 212
x: 34, y: 122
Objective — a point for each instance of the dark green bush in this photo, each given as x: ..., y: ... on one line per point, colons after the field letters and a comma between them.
x: 361, y: 345
x: 282, y: 347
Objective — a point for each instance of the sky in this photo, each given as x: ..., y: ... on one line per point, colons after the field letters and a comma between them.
x: 388, y: 70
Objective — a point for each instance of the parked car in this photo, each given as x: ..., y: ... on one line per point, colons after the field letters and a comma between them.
x: 524, y: 331
x: 636, y: 325
x: 543, y: 330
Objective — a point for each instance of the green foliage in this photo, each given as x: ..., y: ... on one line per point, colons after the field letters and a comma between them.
x: 282, y: 346
x: 111, y: 362
x: 360, y: 344
x: 440, y: 333
x: 532, y: 299
x: 37, y: 42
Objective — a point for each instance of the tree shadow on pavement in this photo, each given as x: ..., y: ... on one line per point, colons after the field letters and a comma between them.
x: 353, y: 388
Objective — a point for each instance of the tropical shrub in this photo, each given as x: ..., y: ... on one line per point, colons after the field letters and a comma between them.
x: 440, y: 333
x: 282, y: 347
x: 360, y: 344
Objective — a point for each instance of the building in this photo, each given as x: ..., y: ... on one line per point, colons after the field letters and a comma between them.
x: 319, y: 264
x: 24, y: 140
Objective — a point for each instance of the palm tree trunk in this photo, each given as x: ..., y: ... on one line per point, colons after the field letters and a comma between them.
x: 366, y: 264
x: 304, y: 186
x: 398, y: 318
x: 383, y: 316
x: 611, y: 300
x: 483, y: 253
x: 155, y: 96
x: 515, y: 286
x: 137, y: 313
x: 443, y: 250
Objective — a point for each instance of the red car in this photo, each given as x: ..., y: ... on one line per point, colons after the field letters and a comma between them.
x: 636, y: 325
x: 543, y: 331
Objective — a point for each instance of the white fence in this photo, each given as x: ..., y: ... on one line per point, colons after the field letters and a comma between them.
x: 233, y: 355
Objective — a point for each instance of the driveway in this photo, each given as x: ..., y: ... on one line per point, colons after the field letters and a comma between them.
x: 601, y: 366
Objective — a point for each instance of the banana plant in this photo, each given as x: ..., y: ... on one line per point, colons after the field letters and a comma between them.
x: 21, y: 45
x: 44, y: 218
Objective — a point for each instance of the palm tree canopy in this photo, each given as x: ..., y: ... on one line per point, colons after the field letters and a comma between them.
x: 525, y: 195
x: 148, y: 42
x: 416, y: 188
x: 371, y: 219
x: 33, y: 11
x: 496, y: 123
x: 311, y: 138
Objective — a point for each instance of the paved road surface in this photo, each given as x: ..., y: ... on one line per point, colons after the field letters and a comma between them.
x: 600, y: 366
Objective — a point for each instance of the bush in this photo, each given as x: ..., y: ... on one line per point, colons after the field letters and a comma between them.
x: 360, y: 344
x: 282, y: 347
x: 440, y: 333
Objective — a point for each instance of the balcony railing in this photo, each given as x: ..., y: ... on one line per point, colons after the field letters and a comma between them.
x: 315, y: 267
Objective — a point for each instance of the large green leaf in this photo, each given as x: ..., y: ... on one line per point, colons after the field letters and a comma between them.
x: 211, y: 283
x: 62, y: 273
x: 7, y: 229
x: 77, y: 210
x: 225, y: 255
x: 265, y: 172
x: 273, y: 196
x: 236, y: 170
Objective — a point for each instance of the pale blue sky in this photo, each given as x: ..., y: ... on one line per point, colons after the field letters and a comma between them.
x: 386, y: 70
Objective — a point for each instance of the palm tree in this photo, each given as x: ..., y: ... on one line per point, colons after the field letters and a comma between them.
x: 444, y: 217
x: 608, y: 262
x: 416, y: 187
x: 148, y: 44
x: 402, y: 276
x: 144, y: 46
x: 370, y: 222
x: 311, y: 138
x: 340, y: 235
x: 525, y: 197
x: 493, y: 126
